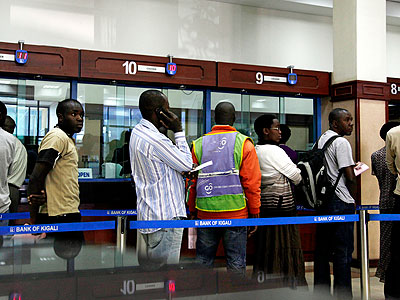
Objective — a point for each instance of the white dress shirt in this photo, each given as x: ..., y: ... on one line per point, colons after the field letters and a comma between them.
x: 156, y: 169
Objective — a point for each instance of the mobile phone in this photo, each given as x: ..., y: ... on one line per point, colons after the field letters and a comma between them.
x: 158, y: 112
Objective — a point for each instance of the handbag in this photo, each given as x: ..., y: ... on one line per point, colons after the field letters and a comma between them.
x: 277, y: 199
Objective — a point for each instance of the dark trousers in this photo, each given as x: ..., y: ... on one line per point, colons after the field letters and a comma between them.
x: 392, y: 275
x: 66, y: 218
x: 68, y: 244
x: 334, y: 241
x: 14, y: 196
x: 234, y: 240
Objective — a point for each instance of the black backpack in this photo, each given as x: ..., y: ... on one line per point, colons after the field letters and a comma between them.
x: 315, y: 187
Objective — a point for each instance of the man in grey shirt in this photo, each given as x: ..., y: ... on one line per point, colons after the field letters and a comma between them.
x: 7, y: 152
x: 336, y: 240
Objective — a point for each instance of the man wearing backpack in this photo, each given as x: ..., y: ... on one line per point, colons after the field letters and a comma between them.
x: 335, y: 240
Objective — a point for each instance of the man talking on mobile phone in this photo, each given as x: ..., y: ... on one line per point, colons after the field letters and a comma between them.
x: 157, y: 165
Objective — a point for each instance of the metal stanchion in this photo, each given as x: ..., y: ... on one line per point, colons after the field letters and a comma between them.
x: 121, y: 240
x: 365, y: 286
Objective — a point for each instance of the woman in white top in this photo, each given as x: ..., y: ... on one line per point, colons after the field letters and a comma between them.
x: 278, y: 248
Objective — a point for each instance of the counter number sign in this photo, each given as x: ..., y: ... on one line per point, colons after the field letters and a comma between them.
x: 131, y: 68
x: 394, y: 89
x: 171, y: 68
x: 21, y: 56
x: 292, y: 78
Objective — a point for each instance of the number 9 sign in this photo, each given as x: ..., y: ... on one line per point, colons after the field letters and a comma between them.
x: 259, y: 78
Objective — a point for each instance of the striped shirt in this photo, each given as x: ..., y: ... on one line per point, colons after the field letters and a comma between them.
x: 156, y: 169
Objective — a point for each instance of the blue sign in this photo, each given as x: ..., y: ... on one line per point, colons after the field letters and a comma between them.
x: 292, y: 78
x: 242, y: 222
x: 60, y: 227
x: 171, y: 68
x: 114, y: 213
x: 85, y: 173
x: 15, y: 216
x: 21, y: 56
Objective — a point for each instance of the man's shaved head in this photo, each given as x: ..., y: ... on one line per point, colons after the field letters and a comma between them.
x: 225, y: 114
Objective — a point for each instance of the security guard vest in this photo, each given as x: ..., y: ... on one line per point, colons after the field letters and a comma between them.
x: 218, y: 186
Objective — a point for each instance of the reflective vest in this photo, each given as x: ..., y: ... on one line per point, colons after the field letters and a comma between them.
x: 218, y: 186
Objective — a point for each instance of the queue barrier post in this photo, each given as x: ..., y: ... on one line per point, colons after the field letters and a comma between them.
x: 364, y: 278
x: 121, y: 239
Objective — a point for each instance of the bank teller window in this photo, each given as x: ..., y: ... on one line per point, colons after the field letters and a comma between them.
x: 110, y: 114
x: 297, y: 113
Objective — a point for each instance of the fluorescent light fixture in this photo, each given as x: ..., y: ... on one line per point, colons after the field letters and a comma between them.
x: 51, y: 86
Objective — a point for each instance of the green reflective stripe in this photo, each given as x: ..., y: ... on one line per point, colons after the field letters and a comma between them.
x: 239, y: 143
x: 198, y: 149
x: 221, y: 203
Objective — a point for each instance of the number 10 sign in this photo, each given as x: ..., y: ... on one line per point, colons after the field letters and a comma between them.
x: 131, y: 68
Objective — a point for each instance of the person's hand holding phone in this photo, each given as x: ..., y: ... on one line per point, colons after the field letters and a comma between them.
x: 169, y: 120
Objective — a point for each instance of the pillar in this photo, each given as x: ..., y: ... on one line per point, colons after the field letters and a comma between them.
x: 359, y: 85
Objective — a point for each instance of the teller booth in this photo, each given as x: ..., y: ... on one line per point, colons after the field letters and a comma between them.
x: 109, y: 85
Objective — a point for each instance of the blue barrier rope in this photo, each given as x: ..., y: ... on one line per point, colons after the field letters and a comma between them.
x: 133, y: 212
x: 359, y: 207
x: 15, y: 216
x: 243, y: 222
x: 108, y: 213
x: 384, y: 217
x: 104, y: 225
x: 60, y: 227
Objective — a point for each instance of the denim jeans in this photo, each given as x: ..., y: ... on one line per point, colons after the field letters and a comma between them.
x: 159, y: 248
x: 234, y: 240
x: 4, y: 222
x: 334, y: 241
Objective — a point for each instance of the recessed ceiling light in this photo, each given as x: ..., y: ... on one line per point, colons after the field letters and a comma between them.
x: 51, y: 86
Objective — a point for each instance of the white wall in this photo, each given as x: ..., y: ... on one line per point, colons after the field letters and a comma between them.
x: 196, y: 29
x: 392, y: 51
x: 184, y: 28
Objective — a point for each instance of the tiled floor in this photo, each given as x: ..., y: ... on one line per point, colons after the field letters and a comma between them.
x: 40, y: 257
x: 376, y: 290
x: 376, y: 287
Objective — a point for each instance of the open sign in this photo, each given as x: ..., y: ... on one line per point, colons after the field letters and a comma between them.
x: 85, y: 173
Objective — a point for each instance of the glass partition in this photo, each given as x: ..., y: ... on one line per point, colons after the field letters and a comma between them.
x: 297, y: 113
x: 110, y: 114
x: 111, y: 111
x: 299, y: 116
x: 32, y: 105
x: 188, y: 106
x: 394, y: 111
x: 236, y: 100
